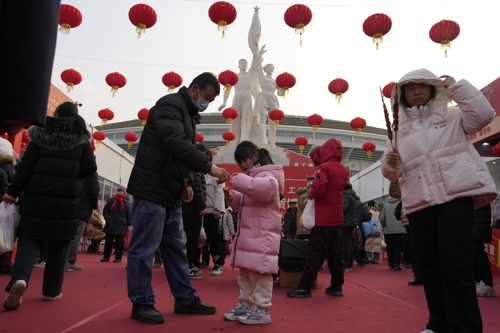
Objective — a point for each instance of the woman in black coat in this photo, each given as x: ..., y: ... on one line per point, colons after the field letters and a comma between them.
x: 50, y: 173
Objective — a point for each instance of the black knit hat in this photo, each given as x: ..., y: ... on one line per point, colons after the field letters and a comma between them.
x: 66, y: 109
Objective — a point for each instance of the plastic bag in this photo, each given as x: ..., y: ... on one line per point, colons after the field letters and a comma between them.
x: 308, y: 215
x: 7, y: 222
x: 202, y: 241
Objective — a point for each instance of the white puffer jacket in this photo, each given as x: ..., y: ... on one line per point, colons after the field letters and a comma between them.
x: 438, y: 161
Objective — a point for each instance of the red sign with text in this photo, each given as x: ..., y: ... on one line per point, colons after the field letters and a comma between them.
x: 493, y: 251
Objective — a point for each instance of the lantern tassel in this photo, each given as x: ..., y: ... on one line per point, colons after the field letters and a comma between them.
x: 143, y: 122
x: 301, y: 148
x: 227, y: 89
x: 97, y: 142
x: 276, y: 123
x: 141, y: 29
x: 222, y: 26
x: 129, y: 144
x: 114, y: 90
x: 358, y: 130
x: 338, y: 96
x: 284, y: 90
x: 369, y: 153
x: 171, y: 89
x: 70, y: 86
x: 315, y: 128
x: 103, y: 122
x: 227, y: 143
x: 229, y: 121
x: 65, y: 28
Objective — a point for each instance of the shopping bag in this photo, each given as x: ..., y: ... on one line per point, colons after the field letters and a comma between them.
x: 357, y: 239
x: 370, y: 229
x: 308, y: 215
x: 6, y: 227
x: 202, y: 240
x: 126, y: 239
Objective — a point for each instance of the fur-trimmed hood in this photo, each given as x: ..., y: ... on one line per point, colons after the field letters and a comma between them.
x: 7, y: 159
x: 55, y: 136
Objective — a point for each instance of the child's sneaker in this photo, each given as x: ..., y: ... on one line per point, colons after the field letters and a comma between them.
x: 258, y: 316
x: 239, y: 310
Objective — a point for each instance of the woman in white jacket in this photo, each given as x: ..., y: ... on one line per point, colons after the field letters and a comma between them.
x: 443, y: 179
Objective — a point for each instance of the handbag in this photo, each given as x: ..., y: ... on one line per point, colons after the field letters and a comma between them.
x: 357, y: 243
x: 370, y: 229
x: 7, y: 221
x: 308, y: 215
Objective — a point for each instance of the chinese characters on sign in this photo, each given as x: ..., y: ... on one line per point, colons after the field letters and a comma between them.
x: 484, y: 131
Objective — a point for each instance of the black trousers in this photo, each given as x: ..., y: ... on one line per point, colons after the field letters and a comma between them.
x: 108, y: 246
x: 211, y: 226
x: 394, y: 247
x: 482, y: 268
x: 53, y: 275
x: 413, y: 261
x: 192, y: 221
x: 443, y: 248
x: 347, y: 241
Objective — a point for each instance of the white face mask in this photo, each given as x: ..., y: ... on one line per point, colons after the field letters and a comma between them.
x: 200, y: 104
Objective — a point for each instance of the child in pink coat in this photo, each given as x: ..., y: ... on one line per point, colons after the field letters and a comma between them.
x: 256, y: 244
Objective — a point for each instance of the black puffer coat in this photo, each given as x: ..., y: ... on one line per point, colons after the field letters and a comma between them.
x: 481, y: 228
x: 166, y: 152
x: 90, y: 197
x: 199, y: 187
x: 50, y: 174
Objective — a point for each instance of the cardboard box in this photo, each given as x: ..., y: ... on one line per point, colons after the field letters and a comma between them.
x: 291, y: 279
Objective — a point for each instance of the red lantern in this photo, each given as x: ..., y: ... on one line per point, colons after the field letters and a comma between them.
x: 131, y: 137
x: 228, y: 79
x: 172, y: 80
x: 228, y: 136
x: 297, y: 17
x: 5, y: 136
x: 358, y: 124
x: 92, y: 145
x: 115, y: 81
x: 496, y: 150
x: 369, y: 147
x: 71, y: 78
x: 276, y: 116
x: 98, y: 137
x: 105, y: 114
x: 387, y: 91
x: 223, y: 14
x: 230, y: 114
x: 69, y: 17
x: 315, y: 120
x: 285, y: 81
x: 199, y: 137
x: 376, y: 26
x: 338, y: 87
x: 143, y: 116
x: 143, y: 17
x: 443, y: 33
x: 301, y: 141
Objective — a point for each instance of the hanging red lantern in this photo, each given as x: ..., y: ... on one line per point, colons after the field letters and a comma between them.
x: 71, y: 78
x: 172, y: 80
x: 105, y: 114
x: 301, y: 141
x: 228, y: 136
x: 358, y: 124
x: 297, y: 17
x: 131, y: 137
x: 387, y: 91
x: 496, y: 150
x: 143, y: 17
x: 92, y: 144
x: 199, y: 137
x: 223, y: 14
x: 315, y: 120
x: 377, y: 26
x: 143, y: 116
x: 228, y: 79
x: 338, y: 87
x: 276, y: 115
x: 369, y: 147
x: 5, y: 136
x: 285, y: 81
x: 115, y: 81
x: 230, y: 114
x: 443, y: 33
x: 69, y: 17
x: 98, y: 137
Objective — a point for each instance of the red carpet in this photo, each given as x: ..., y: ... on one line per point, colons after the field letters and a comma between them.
x: 95, y: 300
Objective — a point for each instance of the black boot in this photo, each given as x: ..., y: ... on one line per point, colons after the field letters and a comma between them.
x: 304, y: 288
x: 417, y: 281
x: 335, y: 288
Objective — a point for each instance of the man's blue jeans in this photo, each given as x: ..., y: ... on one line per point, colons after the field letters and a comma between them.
x: 155, y: 226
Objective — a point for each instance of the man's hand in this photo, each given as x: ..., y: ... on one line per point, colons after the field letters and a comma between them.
x: 221, y: 174
x: 188, y: 196
x: 216, y: 214
x: 7, y: 198
x: 393, y: 157
x: 203, y: 212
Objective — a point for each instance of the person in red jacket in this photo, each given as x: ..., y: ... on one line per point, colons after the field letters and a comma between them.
x: 326, y: 239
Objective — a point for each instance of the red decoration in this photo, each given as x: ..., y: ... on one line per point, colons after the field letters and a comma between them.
x: 98, y: 137
x: 199, y: 137
x: 228, y: 79
x: 228, y: 136
x: 297, y: 17
x: 143, y: 115
x: 276, y: 115
x: 301, y: 141
x: 143, y: 17
x: 315, y: 120
x: 230, y: 114
x: 443, y: 33
x: 69, y: 17
x: 338, y: 87
x: 387, y: 91
x: 25, y: 140
x: 105, y: 114
x: 223, y: 14
x: 285, y: 81
x: 377, y: 26
x: 71, y: 78
x: 5, y: 136
x: 496, y: 150
x: 115, y: 81
x: 369, y: 147
x: 172, y: 80
x: 92, y: 145
x: 358, y: 124
x: 131, y: 137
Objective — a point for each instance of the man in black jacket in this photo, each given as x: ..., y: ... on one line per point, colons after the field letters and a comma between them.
x: 290, y: 228
x: 159, y: 184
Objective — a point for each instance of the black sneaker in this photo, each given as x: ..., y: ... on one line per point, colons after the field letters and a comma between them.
x: 299, y: 293
x: 335, y: 291
x: 196, y: 307
x: 147, y: 314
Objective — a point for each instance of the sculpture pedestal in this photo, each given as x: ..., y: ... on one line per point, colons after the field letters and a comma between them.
x: 225, y: 155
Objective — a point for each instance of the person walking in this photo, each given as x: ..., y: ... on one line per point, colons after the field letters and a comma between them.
x: 290, y: 225
x: 350, y: 222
